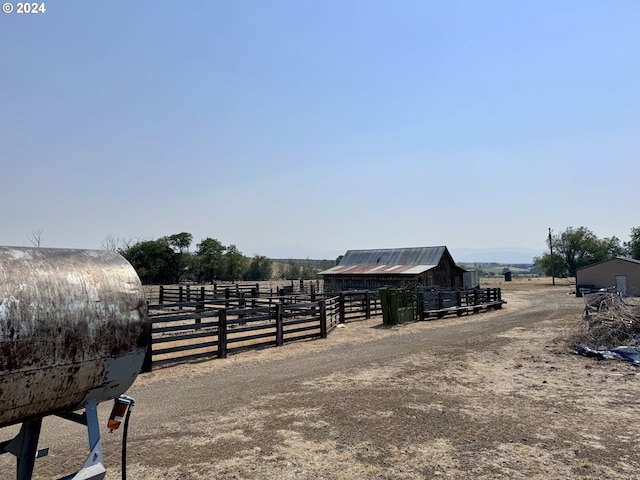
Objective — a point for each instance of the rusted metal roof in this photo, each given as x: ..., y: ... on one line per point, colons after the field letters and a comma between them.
x: 377, y: 270
x: 389, y: 261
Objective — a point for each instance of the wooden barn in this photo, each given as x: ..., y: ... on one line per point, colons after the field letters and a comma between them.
x: 373, y: 269
x: 620, y: 272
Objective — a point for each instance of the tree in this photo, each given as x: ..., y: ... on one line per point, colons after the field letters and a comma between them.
x: 632, y: 247
x: 260, y: 268
x: 210, y: 259
x: 575, y: 248
x: 236, y: 264
x: 181, y: 241
x: 36, y: 237
x: 111, y: 243
x: 308, y: 272
x: 117, y: 244
x: 154, y: 261
x: 609, y: 248
x: 548, y: 265
x: 292, y: 271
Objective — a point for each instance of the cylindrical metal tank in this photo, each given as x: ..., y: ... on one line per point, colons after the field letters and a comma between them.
x: 73, y: 327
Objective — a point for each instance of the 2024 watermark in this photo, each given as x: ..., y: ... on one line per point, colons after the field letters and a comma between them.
x: 20, y: 7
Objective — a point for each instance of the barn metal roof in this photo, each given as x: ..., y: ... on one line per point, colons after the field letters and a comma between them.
x: 389, y: 261
x: 626, y: 259
x: 377, y: 270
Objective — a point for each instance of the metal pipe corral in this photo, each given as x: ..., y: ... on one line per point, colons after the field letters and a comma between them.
x: 73, y: 328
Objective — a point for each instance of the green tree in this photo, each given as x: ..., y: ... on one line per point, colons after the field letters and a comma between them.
x: 609, y: 248
x: 548, y: 265
x: 154, y: 261
x: 236, y: 264
x: 632, y: 247
x: 576, y: 248
x: 181, y: 241
x: 260, y: 268
x: 292, y: 271
x: 210, y: 260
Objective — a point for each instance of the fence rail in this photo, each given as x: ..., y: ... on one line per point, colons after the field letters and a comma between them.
x: 441, y: 302
x: 192, y: 323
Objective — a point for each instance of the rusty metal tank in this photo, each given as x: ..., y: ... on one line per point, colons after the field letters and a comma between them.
x: 73, y: 328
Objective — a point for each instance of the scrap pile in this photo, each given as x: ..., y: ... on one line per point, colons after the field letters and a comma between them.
x: 611, y: 330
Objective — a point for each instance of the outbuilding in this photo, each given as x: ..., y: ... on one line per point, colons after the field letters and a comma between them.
x: 373, y: 269
x: 620, y: 272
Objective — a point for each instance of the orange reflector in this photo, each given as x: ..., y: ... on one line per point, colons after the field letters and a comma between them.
x: 117, y: 413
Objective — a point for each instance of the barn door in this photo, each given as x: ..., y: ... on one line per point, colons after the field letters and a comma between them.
x: 621, y: 285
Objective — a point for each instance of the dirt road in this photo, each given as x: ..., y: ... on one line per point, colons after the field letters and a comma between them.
x: 493, y: 395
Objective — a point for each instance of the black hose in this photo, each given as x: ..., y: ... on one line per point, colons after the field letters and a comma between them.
x: 124, y: 442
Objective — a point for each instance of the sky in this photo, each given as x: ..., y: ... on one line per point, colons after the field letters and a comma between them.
x: 305, y: 128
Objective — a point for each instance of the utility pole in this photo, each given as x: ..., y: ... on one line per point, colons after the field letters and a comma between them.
x: 553, y: 274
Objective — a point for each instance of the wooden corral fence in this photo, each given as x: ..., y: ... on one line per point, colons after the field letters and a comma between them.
x: 196, y: 322
x: 441, y: 302
x: 356, y: 305
x: 185, y: 293
x: 190, y: 323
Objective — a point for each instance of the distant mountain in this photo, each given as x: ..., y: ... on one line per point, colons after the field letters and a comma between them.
x: 504, y: 255
x: 297, y: 252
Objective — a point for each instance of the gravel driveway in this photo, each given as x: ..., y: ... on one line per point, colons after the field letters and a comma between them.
x: 492, y: 395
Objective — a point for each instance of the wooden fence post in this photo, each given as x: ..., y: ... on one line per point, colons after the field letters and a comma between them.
x: 222, y: 334
x: 161, y: 297
x: 323, y: 318
x: 367, y: 306
x: 242, y: 303
x: 180, y: 297
x: 200, y: 305
x: 147, y: 364
x: 279, y: 326
x: 227, y: 296
x: 341, y: 307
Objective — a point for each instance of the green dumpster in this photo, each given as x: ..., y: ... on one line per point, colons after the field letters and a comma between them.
x: 398, y: 306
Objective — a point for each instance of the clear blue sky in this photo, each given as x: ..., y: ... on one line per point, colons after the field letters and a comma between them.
x: 306, y: 128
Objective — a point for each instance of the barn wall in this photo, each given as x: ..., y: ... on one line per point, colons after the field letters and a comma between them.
x: 337, y: 283
x: 444, y: 275
x: 603, y: 275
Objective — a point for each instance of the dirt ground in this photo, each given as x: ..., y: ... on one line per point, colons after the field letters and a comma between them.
x: 496, y: 395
